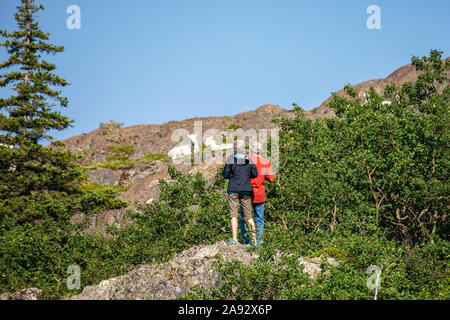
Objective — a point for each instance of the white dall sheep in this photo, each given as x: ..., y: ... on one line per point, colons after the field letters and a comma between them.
x: 210, y: 141
x: 184, y: 150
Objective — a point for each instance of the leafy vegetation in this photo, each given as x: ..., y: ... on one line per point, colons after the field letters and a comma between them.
x: 38, y: 255
x: 102, y: 187
x: 369, y: 187
x: 121, y: 161
x: 233, y: 127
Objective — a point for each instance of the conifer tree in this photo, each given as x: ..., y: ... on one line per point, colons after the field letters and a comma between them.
x: 27, y: 116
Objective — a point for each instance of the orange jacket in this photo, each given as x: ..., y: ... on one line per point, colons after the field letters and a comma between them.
x: 264, y: 173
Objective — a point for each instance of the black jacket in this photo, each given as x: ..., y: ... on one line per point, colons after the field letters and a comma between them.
x: 239, y: 169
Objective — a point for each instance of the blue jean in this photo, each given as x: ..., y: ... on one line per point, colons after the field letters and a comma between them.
x: 259, y: 222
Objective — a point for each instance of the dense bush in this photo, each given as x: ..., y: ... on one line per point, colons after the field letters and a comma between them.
x: 37, y: 254
x: 369, y: 187
x: 407, y: 273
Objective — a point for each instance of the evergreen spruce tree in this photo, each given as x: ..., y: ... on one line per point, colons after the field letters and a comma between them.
x: 27, y: 168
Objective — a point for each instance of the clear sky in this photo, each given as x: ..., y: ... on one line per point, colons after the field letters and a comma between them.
x: 152, y: 61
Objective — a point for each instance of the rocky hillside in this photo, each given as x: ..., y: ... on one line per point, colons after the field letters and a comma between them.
x: 404, y: 74
x: 135, y: 158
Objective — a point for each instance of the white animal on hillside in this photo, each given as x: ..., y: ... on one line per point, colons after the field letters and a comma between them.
x: 185, y: 150
x: 364, y: 95
x: 210, y: 141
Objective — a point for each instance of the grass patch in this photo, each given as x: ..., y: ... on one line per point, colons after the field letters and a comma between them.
x: 121, y: 161
x: 102, y: 187
x: 126, y: 149
x: 115, y: 164
x: 233, y: 127
x: 155, y: 157
x: 117, y: 157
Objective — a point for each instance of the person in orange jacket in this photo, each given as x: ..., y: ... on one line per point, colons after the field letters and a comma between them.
x: 265, y: 173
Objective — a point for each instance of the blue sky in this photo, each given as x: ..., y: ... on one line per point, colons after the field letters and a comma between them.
x: 152, y: 61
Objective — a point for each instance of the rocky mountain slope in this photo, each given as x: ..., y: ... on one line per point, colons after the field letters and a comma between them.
x: 404, y: 74
x: 135, y: 158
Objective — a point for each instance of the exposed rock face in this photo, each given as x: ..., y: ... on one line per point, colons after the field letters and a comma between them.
x: 169, y: 280
x: 105, y: 176
x: 312, y: 265
x: 173, y: 279
x: 25, y: 294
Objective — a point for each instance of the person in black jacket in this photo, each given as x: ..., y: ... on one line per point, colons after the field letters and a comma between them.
x: 239, y: 169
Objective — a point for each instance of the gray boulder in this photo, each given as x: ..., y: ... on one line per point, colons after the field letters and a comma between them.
x: 173, y: 279
x: 169, y: 280
x: 25, y: 294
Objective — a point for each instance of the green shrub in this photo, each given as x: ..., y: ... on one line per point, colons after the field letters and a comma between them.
x: 233, y: 127
x: 38, y: 254
x: 369, y: 187
x: 338, y: 254
x: 111, y: 124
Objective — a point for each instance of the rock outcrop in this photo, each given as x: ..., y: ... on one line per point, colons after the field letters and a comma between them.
x: 25, y: 294
x: 173, y: 279
x: 168, y: 280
